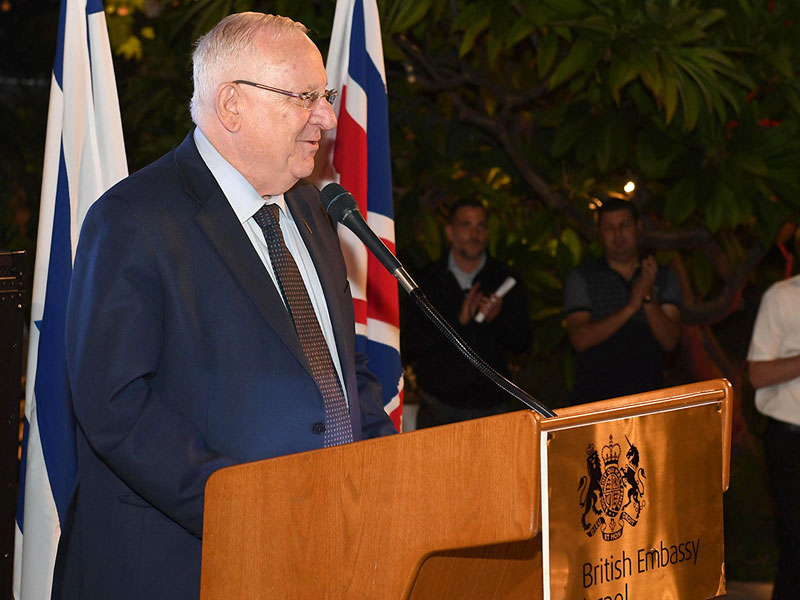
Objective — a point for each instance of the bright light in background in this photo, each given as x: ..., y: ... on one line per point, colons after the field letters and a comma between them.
x: 629, y: 187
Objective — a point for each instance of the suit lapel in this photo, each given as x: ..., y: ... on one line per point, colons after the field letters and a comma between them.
x: 220, y: 224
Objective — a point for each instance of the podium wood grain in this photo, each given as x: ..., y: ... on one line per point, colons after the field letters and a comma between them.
x: 358, y: 521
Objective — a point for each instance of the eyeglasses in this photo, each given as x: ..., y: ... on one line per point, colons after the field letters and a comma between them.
x: 308, y: 98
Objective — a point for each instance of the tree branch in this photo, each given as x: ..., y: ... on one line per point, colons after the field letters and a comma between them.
x: 713, y: 311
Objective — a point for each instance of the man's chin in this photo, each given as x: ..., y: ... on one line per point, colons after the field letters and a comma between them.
x: 624, y: 256
x: 303, y: 169
x: 472, y: 254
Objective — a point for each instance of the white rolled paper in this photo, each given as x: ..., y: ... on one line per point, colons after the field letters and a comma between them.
x: 504, y: 288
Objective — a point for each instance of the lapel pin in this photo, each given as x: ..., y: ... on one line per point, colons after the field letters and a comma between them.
x: 308, y: 227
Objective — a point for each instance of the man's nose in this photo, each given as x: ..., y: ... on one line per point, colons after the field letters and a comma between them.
x: 322, y: 114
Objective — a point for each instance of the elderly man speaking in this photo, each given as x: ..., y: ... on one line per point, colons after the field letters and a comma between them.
x: 210, y: 319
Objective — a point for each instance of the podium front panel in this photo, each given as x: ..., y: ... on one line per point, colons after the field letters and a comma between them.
x: 634, y: 507
x: 359, y: 520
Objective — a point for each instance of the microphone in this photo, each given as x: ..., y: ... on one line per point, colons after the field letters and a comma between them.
x: 341, y: 206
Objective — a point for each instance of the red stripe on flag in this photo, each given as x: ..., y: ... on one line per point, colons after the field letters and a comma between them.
x: 382, y: 303
x: 360, y: 308
x: 350, y: 155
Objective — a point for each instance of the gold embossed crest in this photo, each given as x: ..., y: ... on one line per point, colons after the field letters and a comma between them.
x: 611, y: 495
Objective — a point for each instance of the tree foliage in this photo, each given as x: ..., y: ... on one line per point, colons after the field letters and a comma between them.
x: 545, y: 108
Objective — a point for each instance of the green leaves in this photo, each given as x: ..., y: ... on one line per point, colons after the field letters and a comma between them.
x: 702, y: 272
x: 583, y: 57
x: 681, y: 201
x: 620, y: 74
x: 472, y: 21
x: 401, y: 15
x: 670, y: 48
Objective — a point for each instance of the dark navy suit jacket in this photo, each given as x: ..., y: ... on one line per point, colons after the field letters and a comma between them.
x: 182, y: 360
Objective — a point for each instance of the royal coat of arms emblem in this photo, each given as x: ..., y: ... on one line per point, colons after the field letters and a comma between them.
x: 611, y: 496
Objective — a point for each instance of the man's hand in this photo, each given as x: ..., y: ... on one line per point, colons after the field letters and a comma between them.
x: 471, y: 304
x: 490, y: 307
x: 649, y: 269
x: 643, y: 286
x: 664, y: 321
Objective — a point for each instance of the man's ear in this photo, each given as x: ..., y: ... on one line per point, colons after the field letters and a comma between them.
x: 228, y: 106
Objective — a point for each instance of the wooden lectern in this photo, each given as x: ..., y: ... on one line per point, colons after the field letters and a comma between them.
x: 601, y: 501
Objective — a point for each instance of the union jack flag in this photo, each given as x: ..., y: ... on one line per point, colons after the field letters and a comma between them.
x: 360, y: 158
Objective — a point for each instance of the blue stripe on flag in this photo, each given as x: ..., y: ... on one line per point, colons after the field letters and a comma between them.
x: 379, y: 171
x: 384, y: 362
x: 58, y: 66
x: 361, y: 346
x: 364, y: 72
x: 94, y: 6
x: 357, y: 67
x: 54, y: 412
x: 23, y: 469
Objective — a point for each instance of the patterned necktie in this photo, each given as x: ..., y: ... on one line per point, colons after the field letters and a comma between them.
x: 338, y: 429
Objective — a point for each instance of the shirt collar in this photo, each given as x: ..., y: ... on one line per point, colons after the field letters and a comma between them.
x: 242, y: 196
x: 602, y: 265
x: 464, y: 279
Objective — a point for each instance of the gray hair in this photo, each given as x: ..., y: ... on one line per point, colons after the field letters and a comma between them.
x: 230, y: 41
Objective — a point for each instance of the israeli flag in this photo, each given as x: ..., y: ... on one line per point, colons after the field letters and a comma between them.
x: 84, y: 156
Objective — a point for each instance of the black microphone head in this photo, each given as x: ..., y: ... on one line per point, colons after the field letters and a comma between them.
x: 338, y: 201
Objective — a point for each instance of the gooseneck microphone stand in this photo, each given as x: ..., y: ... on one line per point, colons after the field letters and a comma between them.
x: 342, y: 207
